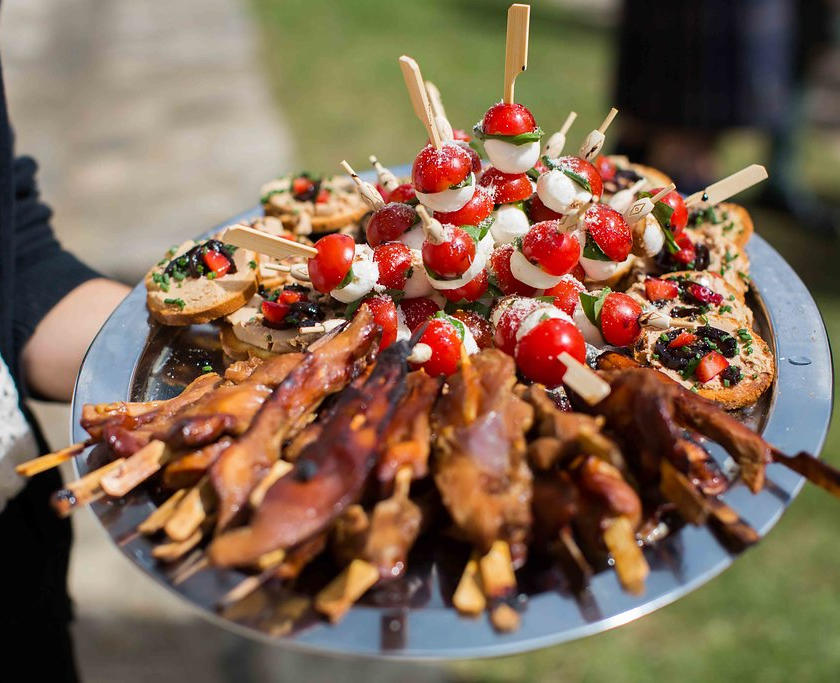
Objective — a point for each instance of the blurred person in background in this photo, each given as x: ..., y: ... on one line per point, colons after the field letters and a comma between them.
x: 690, y: 71
x: 52, y: 306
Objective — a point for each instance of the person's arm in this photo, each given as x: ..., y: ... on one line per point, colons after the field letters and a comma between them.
x: 59, y: 302
x: 53, y: 354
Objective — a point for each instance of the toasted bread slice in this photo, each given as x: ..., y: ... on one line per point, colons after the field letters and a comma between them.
x: 727, y: 221
x: 753, y: 358
x: 654, y: 176
x: 196, y: 300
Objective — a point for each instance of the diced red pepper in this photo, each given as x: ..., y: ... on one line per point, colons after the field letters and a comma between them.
x: 323, y: 197
x: 274, y: 311
x: 682, y: 339
x: 710, y: 366
x: 290, y: 296
x: 657, y: 290
x: 687, y: 252
x: 216, y: 262
x: 301, y: 185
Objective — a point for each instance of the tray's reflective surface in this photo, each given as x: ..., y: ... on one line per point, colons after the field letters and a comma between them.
x: 414, y: 618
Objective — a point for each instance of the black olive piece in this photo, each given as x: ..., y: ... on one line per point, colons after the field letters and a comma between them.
x: 686, y: 312
x: 732, y: 374
x: 305, y: 470
x: 677, y: 358
x: 311, y: 193
x: 701, y: 259
x: 726, y: 343
x: 300, y: 289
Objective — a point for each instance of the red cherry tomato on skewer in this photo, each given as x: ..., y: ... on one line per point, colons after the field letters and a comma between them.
x: 687, y: 252
x: 473, y: 212
x: 606, y: 167
x: 506, y: 187
x: 217, y: 263
x: 480, y: 328
x: 566, y: 294
x: 609, y: 230
x: 385, y: 315
x: 585, y: 170
x: 539, y: 212
x: 508, y: 119
x: 620, y: 319
x: 472, y: 291
x: 389, y: 223
x: 333, y: 262
x: 500, y: 265
x: 679, y: 216
x: 394, y: 261
x: 418, y: 311
x: 436, y: 170
x: 402, y: 193
x: 554, y: 251
x: 452, y: 257
x: 516, y: 309
x: 442, y: 337
x: 537, y: 353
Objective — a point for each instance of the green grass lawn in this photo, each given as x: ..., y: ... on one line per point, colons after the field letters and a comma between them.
x: 775, y: 615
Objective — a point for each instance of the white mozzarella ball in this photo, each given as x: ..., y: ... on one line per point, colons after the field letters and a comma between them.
x: 538, y: 315
x: 509, y: 222
x: 365, y: 273
x: 599, y: 271
x: 448, y: 200
x: 591, y: 333
x: 525, y: 271
x: 622, y: 200
x: 414, y: 237
x: 418, y: 283
x: 560, y: 193
x: 510, y: 158
x: 648, y: 236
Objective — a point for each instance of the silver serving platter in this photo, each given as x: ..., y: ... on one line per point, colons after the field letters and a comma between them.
x: 134, y: 359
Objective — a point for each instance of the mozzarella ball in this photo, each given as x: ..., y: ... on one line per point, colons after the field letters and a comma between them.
x: 510, y: 158
x: 525, y: 271
x: 509, y: 222
x: 364, y: 275
x: 448, y: 200
x: 560, y: 193
x: 418, y: 283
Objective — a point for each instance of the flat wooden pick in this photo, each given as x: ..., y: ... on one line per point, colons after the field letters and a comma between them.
x: 262, y: 242
x: 419, y: 100
x: 583, y: 380
x: 729, y: 186
x: 516, y: 46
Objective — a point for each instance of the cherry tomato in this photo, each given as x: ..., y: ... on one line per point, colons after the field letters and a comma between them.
x: 418, y: 311
x: 394, y: 261
x: 216, y: 262
x: 679, y: 217
x: 508, y: 119
x: 605, y: 166
x: 445, y: 343
x: 515, y: 310
x: 703, y: 295
x: 302, y: 188
x: 566, y: 294
x: 578, y: 273
x: 473, y: 212
x: 382, y: 192
x: 331, y: 265
x: 436, y: 170
x: 539, y: 212
x: 476, y: 160
x: 323, y: 197
x: 389, y: 222
x: 385, y: 315
x: 506, y: 187
x: 500, y: 265
x: 452, y: 257
x: 472, y: 291
x: 274, y: 312
x: 402, y: 193
x: 658, y: 290
x: 554, y: 251
x: 609, y: 230
x: 620, y: 319
x: 682, y: 339
x: 585, y: 170
x: 537, y: 352
x: 687, y: 252
x: 479, y: 327
x: 710, y: 366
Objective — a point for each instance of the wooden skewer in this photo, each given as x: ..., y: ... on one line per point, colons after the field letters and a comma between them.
x: 264, y: 243
x: 338, y: 596
x: 369, y: 193
x: 516, y: 46
x: 432, y: 227
x: 602, y: 129
x: 192, y: 511
x: 279, y: 469
x: 441, y: 120
x: 82, y: 491
x: 268, y: 562
x: 555, y: 144
x: 593, y: 143
x: 630, y: 564
x: 190, y: 567
x: 278, y: 267
x: 46, y: 462
x: 175, y: 550
x: 419, y: 100
x: 322, y: 328
x: 661, y: 321
x: 387, y: 179
x: 728, y: 186
x: 469, y: 598
x: 158, y: 519
x: 137, y: 468
x: 644, y: 206
x: 583, y: 380
x: 498, y: 582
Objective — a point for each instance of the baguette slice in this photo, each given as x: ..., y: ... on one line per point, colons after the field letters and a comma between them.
x: 203, y: 299
x: 732, y: 223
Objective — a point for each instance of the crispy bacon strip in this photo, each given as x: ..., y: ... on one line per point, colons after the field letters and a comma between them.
x: 321, y: 373
x: 329, y: 475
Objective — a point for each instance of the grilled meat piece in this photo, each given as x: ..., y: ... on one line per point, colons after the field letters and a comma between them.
x: 321, y: 373
x: 329, y: 474
x: 479, y: 465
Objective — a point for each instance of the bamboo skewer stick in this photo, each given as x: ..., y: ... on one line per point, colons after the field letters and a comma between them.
x: 369, y: 193
x: 644, y: 206
x: 137, y: 468
x: 432, y: 227
x: 343, y: 591
x: 583, y: 380
x: 593, y: 143
x: 247, y: 586
x: 661, y: 321
x: 192, y: 511
x: 264, y: 243
x: 82, y: 491
x: 419, y: 100
x: 190, y: 567
x: 46, y: 462
x: 630, y: 564
x: 387, y: 179
x: 469, y: 597
x: 516, y: 47
x: 728, y: 186
x: 436, y: 104
x: 279, y: 469
x: 175, y: 550
x: 157, y: 520
x: 555, y: 144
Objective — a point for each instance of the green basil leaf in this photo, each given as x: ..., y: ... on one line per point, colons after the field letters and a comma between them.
x: 533, y: 174
x: 485, y: 225
x: 579, y: 179
x: 662, y: 212
x: 473, y: 231
x: 457, y: 324
x: 545, y: 299
x: 592, y: 305
x: 593, y: 251
x: 352, y: 307
x: 347, y: 279
x: 478, y: 148
x: 466, y: 182
x: 520, y: 139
